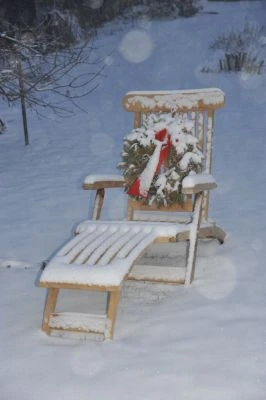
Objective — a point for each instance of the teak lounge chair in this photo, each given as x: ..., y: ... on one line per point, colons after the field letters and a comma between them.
x: 102, y: 254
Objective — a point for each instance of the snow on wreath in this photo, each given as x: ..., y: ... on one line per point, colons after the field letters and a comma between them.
x: 158, y: 156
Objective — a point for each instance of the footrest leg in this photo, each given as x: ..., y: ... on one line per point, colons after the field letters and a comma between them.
x: 112, y: 305
x: 51, y: 300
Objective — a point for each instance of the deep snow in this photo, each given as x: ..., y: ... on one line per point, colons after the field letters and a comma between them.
x: 207, y: 342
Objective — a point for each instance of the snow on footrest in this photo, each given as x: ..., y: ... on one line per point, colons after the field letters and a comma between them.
x: 78, y: 321
x: 103, y: 252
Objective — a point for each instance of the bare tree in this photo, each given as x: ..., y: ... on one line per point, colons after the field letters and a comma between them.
x: 31, y: 66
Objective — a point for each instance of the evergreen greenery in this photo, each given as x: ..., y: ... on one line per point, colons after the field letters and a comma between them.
x: 166, y: 185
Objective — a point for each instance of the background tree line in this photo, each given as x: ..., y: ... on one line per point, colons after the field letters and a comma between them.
x: 47, y: 46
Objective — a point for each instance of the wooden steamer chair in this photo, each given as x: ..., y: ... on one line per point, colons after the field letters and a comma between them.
x: 102, y: 254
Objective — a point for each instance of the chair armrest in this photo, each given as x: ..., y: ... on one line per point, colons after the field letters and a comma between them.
x: 96, y: 181
x: 198, y: 183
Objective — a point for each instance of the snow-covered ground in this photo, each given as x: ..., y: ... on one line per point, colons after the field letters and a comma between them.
x: 207, y: 342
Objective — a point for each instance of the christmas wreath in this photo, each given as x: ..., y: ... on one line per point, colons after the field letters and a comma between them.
x: 158, y: 156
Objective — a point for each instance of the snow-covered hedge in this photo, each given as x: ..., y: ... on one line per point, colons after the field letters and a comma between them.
x: 188, y: 8
x: 171, y: 8
x: 242, y: 50
x: 150, y: 8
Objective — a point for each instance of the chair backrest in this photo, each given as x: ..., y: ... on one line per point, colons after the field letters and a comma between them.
x: 200, y: 106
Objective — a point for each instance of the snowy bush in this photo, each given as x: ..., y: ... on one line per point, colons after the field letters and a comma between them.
x: 134, y: 9
x: 59, y: 30
x: 188, y: 8
x: 183, y: 8
x: 170, y: 8
x: 241, y: 50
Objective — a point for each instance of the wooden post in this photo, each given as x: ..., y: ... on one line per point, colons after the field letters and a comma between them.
x: 98, y: 203
x: 112, y: 305
x: 208, y: 160
x: 201, y: 130
x: 130, y: 212
x: 49, y: 308
x: 193, y: 239
x: 137, y: 120
x: 22, y: 101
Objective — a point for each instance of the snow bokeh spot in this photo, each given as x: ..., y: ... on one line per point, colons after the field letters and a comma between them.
x: 216, y: 277
x: 109, y: 60
x: 108, y: 105
x: 257, y: 244
x: 94, y: 4
x: 250, y: 81
x: 136, y: 46
x: 144, y: 22
x: 117, y: 206
x: 101, y: 145
x: 225, y: 186
x: 86, y: 363
x: 263, y: 40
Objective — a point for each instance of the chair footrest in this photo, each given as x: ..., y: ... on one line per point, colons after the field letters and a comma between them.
x: 102, y: 254
x: 80, y: 322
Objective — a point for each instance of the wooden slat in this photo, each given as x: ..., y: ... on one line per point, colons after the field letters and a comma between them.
x: 103, y: 185
x: 156, y: 217
x: 92, y: 246
x: 157, y: 273
x: 208, y: 160
x: 77, y: 247
x: 139, y: 206
x: 201, y: 129
x: 104, y: 246
x: 139, y: 237
x: 81, y: 247
x: 116, y: 247
x: 64, y: 331
x: 80, y: 322
x: 194, y: 119
x: 77, y: 239
x: 169, y: 101
x: 209, y: 140
x: 78, y: 286
x: 141, y: 247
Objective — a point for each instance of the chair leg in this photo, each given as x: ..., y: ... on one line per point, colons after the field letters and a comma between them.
x: 51, y: 300
x: 112, y: 306
x: 193, y: 240
x: 212, y: 232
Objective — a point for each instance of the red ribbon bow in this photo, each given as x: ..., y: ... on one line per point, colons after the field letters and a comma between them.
x: 136, y: 189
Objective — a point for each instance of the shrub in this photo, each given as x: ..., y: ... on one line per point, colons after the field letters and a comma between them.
x: 241, y: 50
x: 109, y: 10
x: 188, y: 8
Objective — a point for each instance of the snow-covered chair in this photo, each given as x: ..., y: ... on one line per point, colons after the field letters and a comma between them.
x: 102, y: 254
x: 200, y: 105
